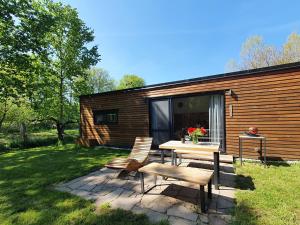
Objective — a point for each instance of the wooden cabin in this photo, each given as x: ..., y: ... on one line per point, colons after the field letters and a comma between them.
x: 224, y: 104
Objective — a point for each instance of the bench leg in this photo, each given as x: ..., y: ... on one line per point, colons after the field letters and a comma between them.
x: 209, y: 191
x: 142, y: 183
x: 162, y: 156
x: 155, y: 179
x: 172, y: 157
x: 180, y: 158
x: 175, y: 156
x: 216, y: 170
x: 202, y: 199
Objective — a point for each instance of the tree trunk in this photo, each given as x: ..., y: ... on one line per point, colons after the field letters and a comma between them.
x: 60, y: 130
x: 23, y: 133
x: 60, y: 121
x: 2, y: 119
x: 4, y: 114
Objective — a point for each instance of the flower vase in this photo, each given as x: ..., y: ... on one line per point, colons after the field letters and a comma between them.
x: 195, y: 140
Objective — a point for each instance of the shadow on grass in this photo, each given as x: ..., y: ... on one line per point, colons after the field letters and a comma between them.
x: 26, y: 178
x: 244, y: 182
x: 277, y: 161
x: 244, y: 215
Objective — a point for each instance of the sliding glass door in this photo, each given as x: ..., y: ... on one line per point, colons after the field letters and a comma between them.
x: 169, y: 116
x: 160, y: 120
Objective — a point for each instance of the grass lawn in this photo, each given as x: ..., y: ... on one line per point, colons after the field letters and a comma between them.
x: 268, y: 196
x: 26, y: 187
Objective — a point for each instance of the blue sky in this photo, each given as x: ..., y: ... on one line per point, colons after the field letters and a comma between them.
x: 163, y: 41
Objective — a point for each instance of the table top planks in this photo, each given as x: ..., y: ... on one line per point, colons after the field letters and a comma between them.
x: 189, y: 174
x: 251, y: 137
x: 202, y: 146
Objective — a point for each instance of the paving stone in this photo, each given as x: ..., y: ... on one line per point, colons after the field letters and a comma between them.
x: 173, y: 220
x: 136, y: 195
x: 75, y: 180
x: 216, y: 219
x: 227, y: 218
x: 129, y: 185
x: 81, y: 193
x: 97, y: 188
x: 109, y: 197
x: 96, y: 173
x: 213, y: 205
x: 87, y: 187
x: 116, y: 182
x: 147, y: 199
x: 203, y: 218
x: 99, y: 180
x: 215, y: 192
x: 76, y: 184
x: 101, y: 191
x: 189, y: 192
x: 109, y: 171
x: 183, y: 212
x: 152, y: 215
x: 225, y: 203
x: 162, y: 203
x: 227, y: 192
x: 125, y: 203
x: 155, y: 191
x: 127, y: 193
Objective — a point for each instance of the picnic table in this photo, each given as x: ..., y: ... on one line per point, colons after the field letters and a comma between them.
x: 202, y: 147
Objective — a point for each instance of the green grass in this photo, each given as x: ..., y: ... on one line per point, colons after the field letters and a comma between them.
x: 26, y: 187
x: 268, y: 196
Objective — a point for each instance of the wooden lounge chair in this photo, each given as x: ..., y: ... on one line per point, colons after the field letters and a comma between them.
x: 136, y: 159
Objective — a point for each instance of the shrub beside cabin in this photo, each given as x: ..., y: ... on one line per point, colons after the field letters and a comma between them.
x: 225, y: 104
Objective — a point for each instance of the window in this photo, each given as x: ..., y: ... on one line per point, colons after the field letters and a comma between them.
x: 105, y: 116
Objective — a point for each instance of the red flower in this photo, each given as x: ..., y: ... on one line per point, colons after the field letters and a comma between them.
x: 203, y: 130
x: 191, y: 130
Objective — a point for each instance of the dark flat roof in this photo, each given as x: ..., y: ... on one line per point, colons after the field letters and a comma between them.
x: 276, y: 68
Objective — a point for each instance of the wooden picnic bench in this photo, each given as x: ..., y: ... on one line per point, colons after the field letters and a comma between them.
x: 199, y: 176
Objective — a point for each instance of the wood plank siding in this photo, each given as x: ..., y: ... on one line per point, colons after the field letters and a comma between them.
x: 269, y: 100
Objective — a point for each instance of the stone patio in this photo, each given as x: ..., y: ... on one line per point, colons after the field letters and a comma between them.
x: 172, y: 200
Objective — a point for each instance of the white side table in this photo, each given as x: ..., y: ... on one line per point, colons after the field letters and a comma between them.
x: 263, y: 146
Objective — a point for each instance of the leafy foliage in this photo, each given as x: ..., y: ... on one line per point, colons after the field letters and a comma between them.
x: 255, y: 53
x: 96, y: 80
x: 23, y: 26
x: 131, y: 81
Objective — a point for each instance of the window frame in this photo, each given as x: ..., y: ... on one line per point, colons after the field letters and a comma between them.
x: 105, y: 114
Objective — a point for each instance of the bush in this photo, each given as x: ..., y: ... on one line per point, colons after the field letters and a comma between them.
x: 39, y: 142
x: 4, y: 148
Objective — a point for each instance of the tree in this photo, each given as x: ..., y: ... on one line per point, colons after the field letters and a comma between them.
x: 69, y: 57
x: 97, y: 80
x: 19, y: 115
x: 291, y: 49
x: 131, y: 81
x: 255, y: 53
x: 23, y: 26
